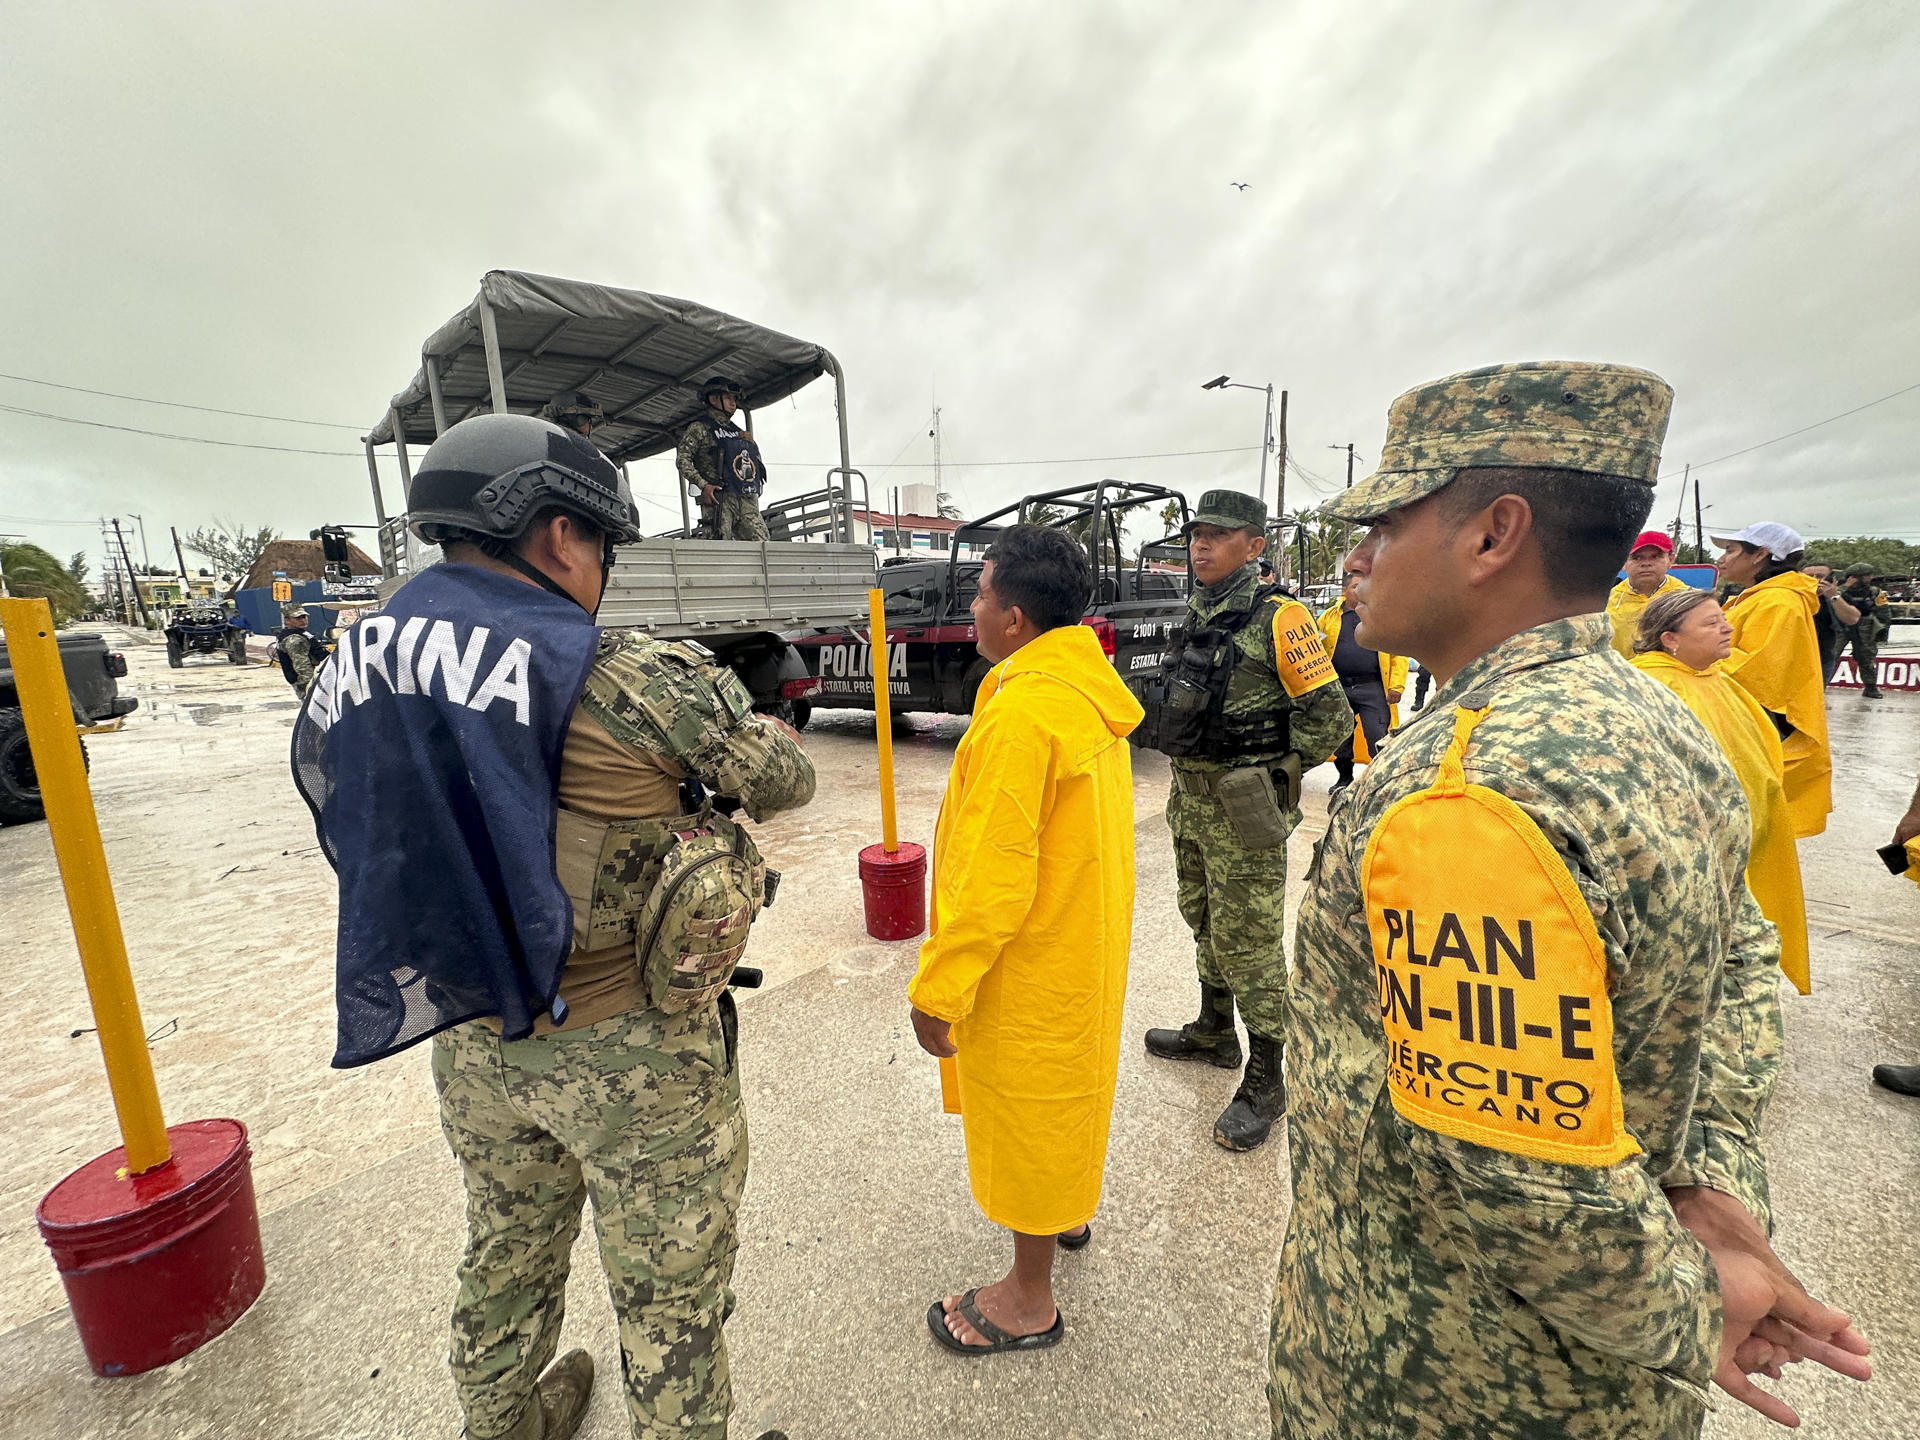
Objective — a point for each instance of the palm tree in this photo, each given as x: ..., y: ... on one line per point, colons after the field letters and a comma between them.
x: 34, y: 574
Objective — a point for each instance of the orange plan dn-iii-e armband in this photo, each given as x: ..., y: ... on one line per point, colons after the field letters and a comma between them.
x: 1299, y: 657
x: 1493, y: 979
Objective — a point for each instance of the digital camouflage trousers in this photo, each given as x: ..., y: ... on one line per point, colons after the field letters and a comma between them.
x: 640, y: 1112
x: 1235, y: 902
x: 739, y: 517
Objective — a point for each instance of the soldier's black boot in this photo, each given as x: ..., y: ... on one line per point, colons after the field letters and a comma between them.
x: 1901, y: 1079
x: 1211, y: 1038
x: 1260, y: 1100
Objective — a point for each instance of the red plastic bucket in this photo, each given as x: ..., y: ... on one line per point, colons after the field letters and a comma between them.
x: 158, y: 1264
x: 895, y: 890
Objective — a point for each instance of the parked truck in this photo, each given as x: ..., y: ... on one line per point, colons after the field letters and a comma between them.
x: 931, y: 663
x: 93, y: 674
x: 642, y: 357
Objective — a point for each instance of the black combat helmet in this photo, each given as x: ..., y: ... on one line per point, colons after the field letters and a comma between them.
x: 717, y: 385
x: 487, y: 478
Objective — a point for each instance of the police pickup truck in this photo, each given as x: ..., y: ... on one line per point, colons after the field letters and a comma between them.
x: 931, y: 662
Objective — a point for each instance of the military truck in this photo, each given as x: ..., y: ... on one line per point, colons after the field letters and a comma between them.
x: 202, y: 626
x: 93, y: 673
x: 526, y: 338
x: 932, y: 665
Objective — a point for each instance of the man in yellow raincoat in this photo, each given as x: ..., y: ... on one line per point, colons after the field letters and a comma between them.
x: 1373, y: 680
x: 1024, y: 969
x: 1646, y: 572
x: 1776, y: 659
x: 1680, y: 641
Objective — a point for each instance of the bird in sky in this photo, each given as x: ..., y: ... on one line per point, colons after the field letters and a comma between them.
x: 1236, y: 184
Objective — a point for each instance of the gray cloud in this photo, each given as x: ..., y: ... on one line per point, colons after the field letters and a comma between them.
x: 1025, y: 208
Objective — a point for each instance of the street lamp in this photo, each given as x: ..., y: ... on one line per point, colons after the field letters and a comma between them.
x: 1222, y: 382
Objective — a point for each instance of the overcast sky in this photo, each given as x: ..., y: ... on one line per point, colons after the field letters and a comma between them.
x: 1023, y: 209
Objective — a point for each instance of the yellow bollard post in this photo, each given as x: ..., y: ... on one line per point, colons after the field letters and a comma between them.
x: 35, y: 656
x: 882, y: 712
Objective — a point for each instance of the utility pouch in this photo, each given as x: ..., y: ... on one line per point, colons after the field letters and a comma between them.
x: 683, y: 891
x: 1286, y: 781
x: 1252, y: 807
x: 693, y: 925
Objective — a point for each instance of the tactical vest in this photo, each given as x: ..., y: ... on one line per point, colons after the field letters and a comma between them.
x: 741, y: 469
x: 316, y: 651
x: 1216, y: 697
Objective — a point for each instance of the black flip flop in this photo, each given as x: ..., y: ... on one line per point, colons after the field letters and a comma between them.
x: 1076, y: 1242
x: 998, y: 1340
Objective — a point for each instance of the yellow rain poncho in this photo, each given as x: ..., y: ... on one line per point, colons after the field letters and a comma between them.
x: 1026, y: 949
x: 1752, y: 747
x: 1776, y: 659
x: 1624, y: 605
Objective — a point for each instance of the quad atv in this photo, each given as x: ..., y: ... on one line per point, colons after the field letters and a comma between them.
x: 203, y: 627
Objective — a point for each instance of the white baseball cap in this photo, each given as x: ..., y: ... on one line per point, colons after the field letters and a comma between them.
x: 1777, y: 540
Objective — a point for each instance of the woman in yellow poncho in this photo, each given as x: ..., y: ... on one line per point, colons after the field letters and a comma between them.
x: 1375, y: 702
x: 1776, y: 659
x: 1681, y: 639
x: 1024, y: 969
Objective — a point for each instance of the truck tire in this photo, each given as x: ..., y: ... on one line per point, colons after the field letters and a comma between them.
x: 970, y: 684
x: 19, y: 788
x: 802, y: 712
x: 174, y: 655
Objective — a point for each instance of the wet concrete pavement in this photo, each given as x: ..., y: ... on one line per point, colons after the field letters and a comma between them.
x: 857, y: 1213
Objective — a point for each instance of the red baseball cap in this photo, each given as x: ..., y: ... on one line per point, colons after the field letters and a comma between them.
x: 1659, y: 539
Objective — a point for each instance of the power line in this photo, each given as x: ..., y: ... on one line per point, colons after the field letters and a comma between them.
x: 167, y: 435
x: 41, y: 520
x: 1749, y: 449
x: 1053, y: 460
x: 180, y: 404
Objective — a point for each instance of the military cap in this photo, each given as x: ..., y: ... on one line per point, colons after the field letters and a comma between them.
x: 293, y: 609
x: 1542, y: 414
x: 1857, y: 572
x: 1231, y: 510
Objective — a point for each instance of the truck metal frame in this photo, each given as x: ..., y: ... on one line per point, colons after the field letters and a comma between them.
x: 931, y: 664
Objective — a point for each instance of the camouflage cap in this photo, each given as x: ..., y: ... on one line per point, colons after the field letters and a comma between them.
x: 1231, y: 510
x: 1542, y: 414
x: 293, y: 609
x: 1861, y: 572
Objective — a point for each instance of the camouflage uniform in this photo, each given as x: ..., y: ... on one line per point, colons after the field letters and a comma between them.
x: 299, y: 652
x: 1865, y: 634
x: 1436, y: 1287
x: 733, y: 515
x: 641, y: 1111
x: 1233, y: 898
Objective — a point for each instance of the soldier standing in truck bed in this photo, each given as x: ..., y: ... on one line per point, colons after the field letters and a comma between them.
x: 720, y: 463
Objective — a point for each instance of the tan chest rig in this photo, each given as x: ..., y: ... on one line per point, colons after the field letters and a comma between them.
x: 683, y: 891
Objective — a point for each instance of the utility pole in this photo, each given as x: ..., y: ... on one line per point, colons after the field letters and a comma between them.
x: 1280, y: 470
x: 186, y: 584
x: 1680, y: 505
x: 939, y: 481
x: 1699, y: 535
x: 136, y: 584
x: 146, y: 556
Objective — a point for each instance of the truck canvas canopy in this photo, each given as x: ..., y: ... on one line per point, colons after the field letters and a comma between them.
x: 525, y: 339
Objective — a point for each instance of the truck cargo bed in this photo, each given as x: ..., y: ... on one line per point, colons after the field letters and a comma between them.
x: 696, y: 588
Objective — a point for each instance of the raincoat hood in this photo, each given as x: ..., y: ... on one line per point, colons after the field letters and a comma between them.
x: 1069, y: 658
x: 1803, y: 588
